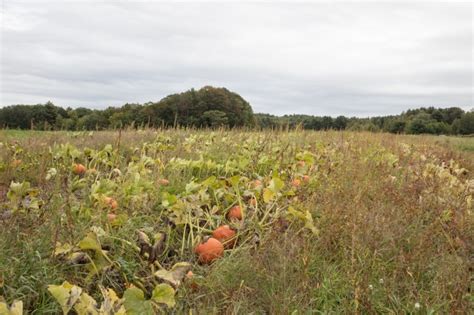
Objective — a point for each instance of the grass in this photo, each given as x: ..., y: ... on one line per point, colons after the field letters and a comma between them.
x: 394, y: 220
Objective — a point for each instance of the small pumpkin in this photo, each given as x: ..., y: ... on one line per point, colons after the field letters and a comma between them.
x: 111, y: 202
x: 225, y: 235
x: 111, y: 216
x: 296, y: 182
x: 163, y: 182
x: 235, y: 213
x: 15, y: 163
x: 257, y: 183
x: 79, y: 169
x: 209, y: 250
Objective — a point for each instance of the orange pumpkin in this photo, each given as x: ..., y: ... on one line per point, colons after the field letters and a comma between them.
x: 111, y: 202
x: 296, y: 182
x: 210, y: 250
x: 79, y: 169
x: 164, y: 182
x: 235, y: 213
x: 15, y: 163
x: 257, y: 183
x: 225, y: 235
x: 111, y: 216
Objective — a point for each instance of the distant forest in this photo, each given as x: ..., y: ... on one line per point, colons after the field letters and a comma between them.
x: 211, y: 107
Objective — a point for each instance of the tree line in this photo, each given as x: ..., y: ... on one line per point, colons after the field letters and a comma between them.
x: 211, y: 107
x: 425, y: 120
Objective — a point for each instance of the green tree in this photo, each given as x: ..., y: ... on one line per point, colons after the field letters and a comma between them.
x: 214, y: 118
x: 466, y: 124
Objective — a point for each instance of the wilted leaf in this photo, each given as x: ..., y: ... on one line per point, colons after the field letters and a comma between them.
x: 111, y: 304
x: 62, y: 249
x: 176, y: 274
x: 15, y: 309
x: 66, y: 294
x: 86, y: 305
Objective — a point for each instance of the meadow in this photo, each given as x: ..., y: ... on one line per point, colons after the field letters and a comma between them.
x: 315, y: 222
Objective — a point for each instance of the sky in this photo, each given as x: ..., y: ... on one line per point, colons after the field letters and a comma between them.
x: 321, y: 58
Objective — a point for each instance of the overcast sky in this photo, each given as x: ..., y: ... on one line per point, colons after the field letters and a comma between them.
x: 322, y: 58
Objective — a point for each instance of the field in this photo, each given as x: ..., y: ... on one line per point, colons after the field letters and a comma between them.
x: 326, y: 222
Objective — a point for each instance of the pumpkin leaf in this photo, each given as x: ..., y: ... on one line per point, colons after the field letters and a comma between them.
x: 111, y: 304
x: 175, y: 275
x: 306, y: 217
x: 86, y: 305
x: 268, y: 195
x: 62, y: 249
x: 66, y: 294
x: 135, y: 303
x: 90, y: 242
x: 276, y: 184
x: 164, y: 294
x: 15, y: 309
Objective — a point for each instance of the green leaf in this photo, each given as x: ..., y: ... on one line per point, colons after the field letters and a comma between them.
x: 276, y: 184
x: 192, y: 187
x: 306, y: 217
x: 164, y: 294
x: 234, y: 180
x: 135, y: 303
x: 66, y: 294
x: 90, y: 242
x: 168, y: 199
x: 268, y: 195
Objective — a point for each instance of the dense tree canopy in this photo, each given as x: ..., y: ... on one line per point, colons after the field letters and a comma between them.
x: 429, y: 120
x: 212, y: 107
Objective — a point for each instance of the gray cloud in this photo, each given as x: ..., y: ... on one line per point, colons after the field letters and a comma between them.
x: 316, y: 58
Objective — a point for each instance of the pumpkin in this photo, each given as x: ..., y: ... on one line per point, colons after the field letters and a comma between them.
x: 257, y: 183
x: 209, y: 250
x: 111, y: 202
x: 79, y: 169
x: 235, y: 213
x: 111, y: 216
x: 15, y: 163
x: 296, y: 182
x: 225, y: 235
x: 306, y: 178
x: 164, y: 182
